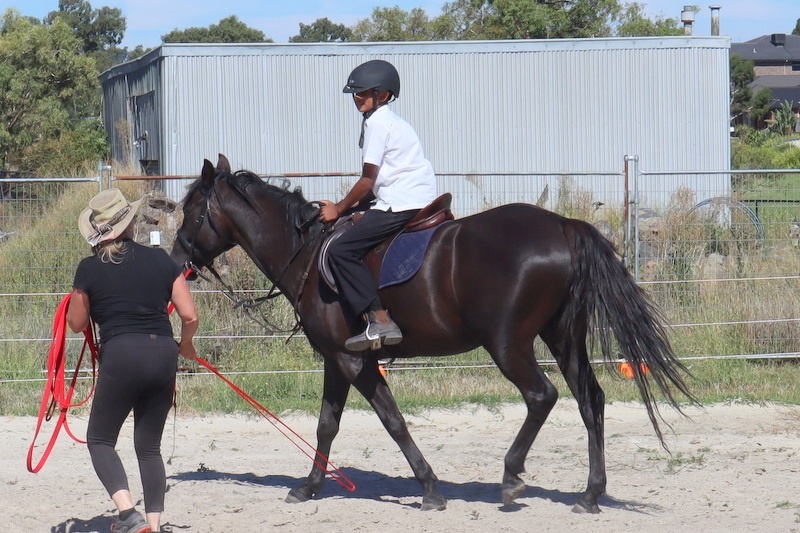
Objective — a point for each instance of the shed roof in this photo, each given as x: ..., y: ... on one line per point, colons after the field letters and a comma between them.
x: 410, y: 47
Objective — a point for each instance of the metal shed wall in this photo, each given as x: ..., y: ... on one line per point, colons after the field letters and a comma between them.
x: 489, y: 107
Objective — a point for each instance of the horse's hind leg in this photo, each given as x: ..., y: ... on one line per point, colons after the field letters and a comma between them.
x: 520, y: 367
x: 569, y: 350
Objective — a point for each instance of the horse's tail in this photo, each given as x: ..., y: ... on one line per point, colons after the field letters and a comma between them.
x: 618, y: 309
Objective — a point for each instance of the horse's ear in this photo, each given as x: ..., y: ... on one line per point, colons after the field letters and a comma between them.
x: 208, y: 174
x: 223, y: 165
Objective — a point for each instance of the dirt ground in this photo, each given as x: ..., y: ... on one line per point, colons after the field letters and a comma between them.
x: 733, y: 468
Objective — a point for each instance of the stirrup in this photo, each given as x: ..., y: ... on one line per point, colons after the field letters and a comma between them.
x: 363, y: 341
x: 375, y: 336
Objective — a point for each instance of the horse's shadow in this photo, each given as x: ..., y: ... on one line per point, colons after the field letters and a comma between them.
x: 372, y: 486
x: 379, y: 487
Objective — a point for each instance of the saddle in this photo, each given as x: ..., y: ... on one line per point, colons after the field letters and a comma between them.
x: 398, y: 257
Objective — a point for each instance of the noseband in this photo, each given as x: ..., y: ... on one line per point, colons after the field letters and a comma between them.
x: 190, y: 246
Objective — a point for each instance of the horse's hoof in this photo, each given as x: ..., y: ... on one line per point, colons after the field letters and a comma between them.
x: 512, y: 490
x: 585, y: 508
x: 299, y: 495
x: 434, y: 502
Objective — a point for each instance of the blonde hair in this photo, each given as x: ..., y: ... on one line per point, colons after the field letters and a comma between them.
x: 114, y: 251
x: 111, y: 251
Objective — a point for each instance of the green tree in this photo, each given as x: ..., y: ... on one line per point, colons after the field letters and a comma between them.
x: 544, y: 19
x: 515, y: 19
x: 742, y: 75
x: 465, y: 20
x: 632, y: 22
x: 100, y: 30
x: 796, y: 30
x: 393, y: 24
x: 44, y: 78
x: 522, y: 19
x: 527, y: 19
x: 322, y: 31
x: 761, y: 104
x: 138, y: 51
x: 229, y: 30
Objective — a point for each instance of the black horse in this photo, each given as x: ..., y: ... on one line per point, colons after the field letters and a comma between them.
x: 495, y: 279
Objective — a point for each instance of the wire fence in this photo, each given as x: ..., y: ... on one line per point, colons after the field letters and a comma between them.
x: 718, y: 251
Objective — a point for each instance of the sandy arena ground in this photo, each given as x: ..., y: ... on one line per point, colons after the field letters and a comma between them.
x: 734, y: 468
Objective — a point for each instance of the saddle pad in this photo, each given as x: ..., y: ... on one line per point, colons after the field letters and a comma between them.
x: 404, y: 257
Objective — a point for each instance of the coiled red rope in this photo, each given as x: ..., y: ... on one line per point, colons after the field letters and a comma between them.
x: 56, y: 394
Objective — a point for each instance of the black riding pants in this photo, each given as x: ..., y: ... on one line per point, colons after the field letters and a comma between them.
x: 356, y: 285
x: 137, y: 373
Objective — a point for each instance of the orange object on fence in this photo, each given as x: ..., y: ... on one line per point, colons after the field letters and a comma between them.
x: 626, y: 369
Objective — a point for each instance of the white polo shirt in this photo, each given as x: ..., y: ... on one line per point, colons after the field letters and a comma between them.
x: 405, y: 179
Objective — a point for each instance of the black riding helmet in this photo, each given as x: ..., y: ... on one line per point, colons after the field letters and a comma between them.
x: 376, y: 74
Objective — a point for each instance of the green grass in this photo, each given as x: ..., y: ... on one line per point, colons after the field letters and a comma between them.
x: 293, y: 382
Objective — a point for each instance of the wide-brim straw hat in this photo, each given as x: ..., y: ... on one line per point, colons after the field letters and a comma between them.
x: 108, y: 215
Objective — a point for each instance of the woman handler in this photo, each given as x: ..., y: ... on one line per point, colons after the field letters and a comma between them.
x: 125, y: 288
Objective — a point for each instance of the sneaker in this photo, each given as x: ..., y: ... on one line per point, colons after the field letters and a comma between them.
x: 379, y: 331
x: 134, y: 524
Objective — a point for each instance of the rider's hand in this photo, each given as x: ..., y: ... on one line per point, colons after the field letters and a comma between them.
x: 328, y: 212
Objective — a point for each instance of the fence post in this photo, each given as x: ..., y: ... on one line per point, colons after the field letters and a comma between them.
x: 631, y: 215
x: 102, y: 168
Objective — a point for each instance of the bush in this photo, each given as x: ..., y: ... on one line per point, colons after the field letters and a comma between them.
x: 755, y: 149
x: 70, y: 154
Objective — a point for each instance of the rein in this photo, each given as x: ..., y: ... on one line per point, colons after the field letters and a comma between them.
x: 251, y: 305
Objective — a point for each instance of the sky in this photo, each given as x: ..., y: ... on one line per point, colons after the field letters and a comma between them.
x: 148, y: 20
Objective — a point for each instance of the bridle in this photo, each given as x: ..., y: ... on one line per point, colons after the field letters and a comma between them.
x: 251, y: 305
x: 189, y: 246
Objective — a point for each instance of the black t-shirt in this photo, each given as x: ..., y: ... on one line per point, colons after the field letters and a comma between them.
x: 132, y: 296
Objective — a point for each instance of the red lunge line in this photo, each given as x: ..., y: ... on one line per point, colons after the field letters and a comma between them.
x: 56, y: 394
x: 301, y: 444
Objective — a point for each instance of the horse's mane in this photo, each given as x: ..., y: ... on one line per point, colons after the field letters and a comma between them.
x: 250, y: 187
x: 242, y: 180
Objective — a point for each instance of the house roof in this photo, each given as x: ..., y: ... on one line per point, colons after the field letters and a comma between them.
x: 769, y: 49
x: 784, y: 89
x: 785, y: 94
x: 776, y: 82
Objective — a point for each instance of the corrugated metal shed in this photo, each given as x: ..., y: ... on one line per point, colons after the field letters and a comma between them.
x: 489, y: 107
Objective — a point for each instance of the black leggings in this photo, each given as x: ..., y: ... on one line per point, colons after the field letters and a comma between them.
x: 137, y: 372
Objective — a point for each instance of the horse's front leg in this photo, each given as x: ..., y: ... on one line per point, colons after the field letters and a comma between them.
x: 371, y: 384
x: 334, y: 395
